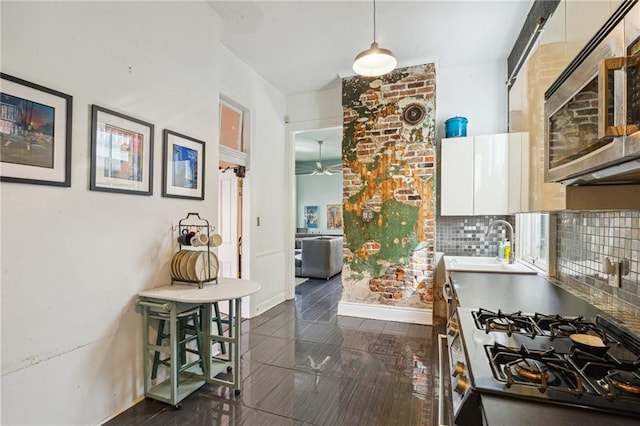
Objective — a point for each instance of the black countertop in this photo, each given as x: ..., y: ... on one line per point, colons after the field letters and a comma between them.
x: 528, y: 293
x: 517, y: 292
x: 510, y: 411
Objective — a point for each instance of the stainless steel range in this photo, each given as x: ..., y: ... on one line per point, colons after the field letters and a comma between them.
x: 574, y: 361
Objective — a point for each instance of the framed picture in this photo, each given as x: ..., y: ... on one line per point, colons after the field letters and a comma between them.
x: 35, y: 133
x: 334, y: 216
x: 182, y: 166
x: 121, y: 153
x: 311, y: 216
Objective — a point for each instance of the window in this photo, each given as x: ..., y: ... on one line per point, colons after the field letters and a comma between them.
x: 230, y: 126
x: 535, y: 240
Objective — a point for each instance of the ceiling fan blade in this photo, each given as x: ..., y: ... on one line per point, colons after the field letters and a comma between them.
x: 327, y: 172
x: 318, y: 165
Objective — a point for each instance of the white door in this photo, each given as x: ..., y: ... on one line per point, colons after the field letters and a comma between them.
x: 228, y: 252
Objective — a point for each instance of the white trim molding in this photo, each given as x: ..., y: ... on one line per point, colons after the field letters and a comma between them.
x: 386, y: 313
x: 268, y: 304
x: 234, y: 156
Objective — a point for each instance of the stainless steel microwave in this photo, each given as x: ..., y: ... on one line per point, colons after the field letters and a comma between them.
x: 592, y: 111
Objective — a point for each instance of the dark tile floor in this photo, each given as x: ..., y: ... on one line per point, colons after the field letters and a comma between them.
x: 304, y: 365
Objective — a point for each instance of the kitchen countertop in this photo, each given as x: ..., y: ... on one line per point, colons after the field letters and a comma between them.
x: 512, y: 411
x: 512, y: 292
x: 530, y: 294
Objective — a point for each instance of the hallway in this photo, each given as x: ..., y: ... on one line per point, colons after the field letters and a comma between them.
x: 304, y: 365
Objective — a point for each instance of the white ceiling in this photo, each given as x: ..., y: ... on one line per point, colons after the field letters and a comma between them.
x: 302, y: 46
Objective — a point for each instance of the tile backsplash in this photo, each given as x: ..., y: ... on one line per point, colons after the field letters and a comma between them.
x: 465, y: 235
x: 584, y: 239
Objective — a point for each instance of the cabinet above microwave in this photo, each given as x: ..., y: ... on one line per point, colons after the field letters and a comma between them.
x: 592, y: 111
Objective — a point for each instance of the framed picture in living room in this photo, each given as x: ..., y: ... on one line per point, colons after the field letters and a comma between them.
x: 311, y: 216
x: 334, y: 216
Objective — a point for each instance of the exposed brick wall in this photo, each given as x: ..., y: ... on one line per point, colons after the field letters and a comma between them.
x: 389, y: 169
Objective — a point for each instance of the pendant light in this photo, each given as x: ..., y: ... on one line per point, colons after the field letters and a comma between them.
x: 374, y: 61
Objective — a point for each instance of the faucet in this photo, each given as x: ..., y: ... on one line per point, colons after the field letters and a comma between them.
x: 510, y: 228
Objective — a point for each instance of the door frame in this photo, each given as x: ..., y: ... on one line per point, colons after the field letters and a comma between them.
x: 292, y: 130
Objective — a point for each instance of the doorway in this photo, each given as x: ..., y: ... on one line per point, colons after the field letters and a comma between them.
x: 233, y: 203
x: 230, y: 223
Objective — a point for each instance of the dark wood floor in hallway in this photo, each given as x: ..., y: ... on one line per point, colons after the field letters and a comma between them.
x: 302, y: 364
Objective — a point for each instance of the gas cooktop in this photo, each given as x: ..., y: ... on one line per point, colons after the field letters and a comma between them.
x: 565, y: 360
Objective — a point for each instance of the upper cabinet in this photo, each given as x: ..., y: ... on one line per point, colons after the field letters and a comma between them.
x: 484, y: 175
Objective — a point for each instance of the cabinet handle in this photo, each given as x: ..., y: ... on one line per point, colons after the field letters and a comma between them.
x: 607, y: 130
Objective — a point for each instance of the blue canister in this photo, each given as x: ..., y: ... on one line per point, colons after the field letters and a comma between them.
x: 456, y: 126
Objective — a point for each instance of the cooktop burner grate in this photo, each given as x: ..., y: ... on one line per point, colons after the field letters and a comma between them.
x: 540, y: 369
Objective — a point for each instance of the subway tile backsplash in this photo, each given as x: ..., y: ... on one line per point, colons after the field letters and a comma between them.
x: 465, y: 235
x: 584, y: 239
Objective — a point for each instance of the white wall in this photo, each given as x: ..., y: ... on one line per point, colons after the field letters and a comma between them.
x: 477, y: 92
x: 318, y: 191
x: 323, y: 105
x: 73, y: 260
x: 268, y: 179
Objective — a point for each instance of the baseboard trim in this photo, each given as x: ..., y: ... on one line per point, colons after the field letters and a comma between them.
x: 268, y: 304
x: 386, y: 313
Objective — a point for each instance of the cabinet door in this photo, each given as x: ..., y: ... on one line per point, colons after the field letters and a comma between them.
x: 491, y: 174
x: 456, y: 180
x: 518, y: 172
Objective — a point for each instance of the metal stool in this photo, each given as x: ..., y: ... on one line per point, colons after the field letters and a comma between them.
x: 189, y: 329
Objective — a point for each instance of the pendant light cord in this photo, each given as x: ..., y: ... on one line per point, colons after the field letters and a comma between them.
x: 374, y: 21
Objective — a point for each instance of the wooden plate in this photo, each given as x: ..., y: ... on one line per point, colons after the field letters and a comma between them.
x: 191, y: 262
x: 174, y: 264
x: 201, y: 265
x: 177, y: 270
x: 183, y: 264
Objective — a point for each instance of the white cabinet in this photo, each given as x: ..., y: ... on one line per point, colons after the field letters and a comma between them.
x: 484, y: 175
x: 456, y: 176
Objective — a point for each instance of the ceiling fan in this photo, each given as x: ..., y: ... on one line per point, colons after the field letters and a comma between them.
x: 319, y: 169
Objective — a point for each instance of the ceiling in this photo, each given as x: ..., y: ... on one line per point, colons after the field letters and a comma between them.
x: 302, y: 46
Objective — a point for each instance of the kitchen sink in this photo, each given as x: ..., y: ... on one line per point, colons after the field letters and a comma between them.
x: 484, y: 264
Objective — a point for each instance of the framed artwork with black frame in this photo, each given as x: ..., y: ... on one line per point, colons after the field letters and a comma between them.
x: 121, y: 153
x: 35, y: 133
x: 182, y: 166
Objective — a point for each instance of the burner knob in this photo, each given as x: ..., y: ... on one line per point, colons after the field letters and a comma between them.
x: 461, y: 385
x: 453, y: 329
x: 458, y: 370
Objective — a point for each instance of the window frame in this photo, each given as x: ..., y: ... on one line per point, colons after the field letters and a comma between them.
x: 531, y: 236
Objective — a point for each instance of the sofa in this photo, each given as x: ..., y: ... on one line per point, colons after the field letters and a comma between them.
x: 318, y: 256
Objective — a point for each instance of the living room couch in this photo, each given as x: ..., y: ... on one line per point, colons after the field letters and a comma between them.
x: 318, y: 256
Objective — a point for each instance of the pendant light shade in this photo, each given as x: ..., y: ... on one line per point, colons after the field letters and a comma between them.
x: 374, y: 61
